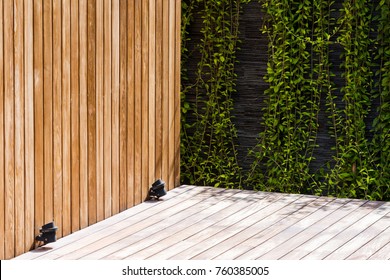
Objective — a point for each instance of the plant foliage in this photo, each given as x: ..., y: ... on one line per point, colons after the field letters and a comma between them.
x: 302, y: 39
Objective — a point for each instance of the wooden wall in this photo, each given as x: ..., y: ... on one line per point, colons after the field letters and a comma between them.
x: 89, y: 111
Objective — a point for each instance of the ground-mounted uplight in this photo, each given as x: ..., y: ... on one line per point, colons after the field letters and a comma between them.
x: 157, y: 190
x: 47, y: 233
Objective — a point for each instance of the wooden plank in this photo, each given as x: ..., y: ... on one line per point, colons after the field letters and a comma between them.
x: 291, y: 244
x: 275, y: 238
x: 171, y: 90
x: 130, y: 103
x: 234, y: 201
x: 228, y: 227
x: 177, y: 103
x: 38, y: 116
x: 74, y: 115
x: 91, y: 84
x: 271, y: 207
x: 363, y: 233
x: 9, y: 131
x: 29, y: 121
x: 123, y: 105
x: 98, y: 244
x: 81, y: 236
x: 382, y: 254
x: 137, y: 104
x: 83, y: 15
x: 107, y: 109
x: 152, y: 91
x: 99, y: 110
x: 57, y: 114
x: 372, y: 246
x: 165, y: 90
x: 159, y: 86
x: 19, y: 127
x: 115, y: 106
x: 339, y: 233
x: 48, y: 109
x: 145, y: 99
x: 66, y: 121
x: 2, y: 132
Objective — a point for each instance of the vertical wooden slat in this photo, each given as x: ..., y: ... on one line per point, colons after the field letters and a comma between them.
x: 93, y: 87
x: 9, y: 130
x: 171, y: 90
x: 115, y: 106
x: 91, y: 84
x: 38, y: 115
x: 57, y: 115
x: 137, y: 103
x: 74, y: 112
x: 99, y: 111
x: 177, y: 103
x: 19, y: 127
x: 2, y: 202
x: 152, y: 91
x: 130, y: 103
x: 159, y: 82
x: 165, y: 90
x: 83, y: 114
x: 29, y: 122
x: 107, y: 108
x: 48, y: 108
x: 66, y: 157
x: 2, y: 177
x: 145, y: 98
x: 123, y: 105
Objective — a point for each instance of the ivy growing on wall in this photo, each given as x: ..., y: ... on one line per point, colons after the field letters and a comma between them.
x: 302, y: 84
x: 208, y: 143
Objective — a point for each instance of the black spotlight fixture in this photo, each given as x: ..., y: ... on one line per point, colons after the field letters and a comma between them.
x: 47, y: 233
x: 157, y: 190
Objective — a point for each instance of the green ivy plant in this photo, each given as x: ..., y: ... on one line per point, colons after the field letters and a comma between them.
x: 301, y: 79
x: 208, y: 145
x: 285, y: 151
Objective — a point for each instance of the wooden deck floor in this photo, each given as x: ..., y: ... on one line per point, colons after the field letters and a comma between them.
x: 208, y: 223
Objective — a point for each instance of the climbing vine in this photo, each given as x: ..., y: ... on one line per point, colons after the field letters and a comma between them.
x: 209, y: 142
x: 285, y: 151
x: 326, y: 60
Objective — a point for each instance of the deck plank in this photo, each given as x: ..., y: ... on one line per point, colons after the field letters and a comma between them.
x: 209, y: 223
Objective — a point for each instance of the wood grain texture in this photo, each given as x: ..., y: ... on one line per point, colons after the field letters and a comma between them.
x: 226, y: 224
x: 66, y: 119
x: 107, y: 110
x: 123, y: 95
x: 115, y: 63
x: 130, y: 103
x: 83, y: 66
x: 2, y: 177
x: 137, y: 103
x: 99, y: 109
x: 165, y: 94
x: 91, y: 95
x: 29, y: 122
x: 38, y: 117
x: 74, y: 115
x: 57, y: 114
x: 9, y: 130
x: 145, y: 98
x: 48, y: 109
x: 88, y: 111
x: 152, y: 91
x: 176, y: 97
x: 19, y: 127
